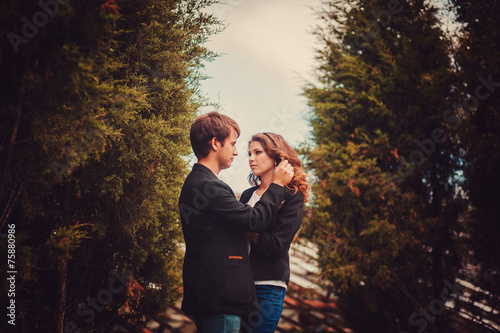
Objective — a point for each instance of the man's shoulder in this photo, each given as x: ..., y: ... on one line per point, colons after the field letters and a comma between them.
x: 199, y: 173
x: 205, y: 181
x: 199, y: 170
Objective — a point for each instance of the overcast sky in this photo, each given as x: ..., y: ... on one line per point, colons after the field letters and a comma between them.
x: 268, y: 56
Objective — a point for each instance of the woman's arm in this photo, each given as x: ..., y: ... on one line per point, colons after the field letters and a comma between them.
x: 274, y: 242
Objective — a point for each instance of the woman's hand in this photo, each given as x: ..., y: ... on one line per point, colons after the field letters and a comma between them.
x: 283, y: 173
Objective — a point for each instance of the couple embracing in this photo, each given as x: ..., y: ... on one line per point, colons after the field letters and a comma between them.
x: 236, y: 266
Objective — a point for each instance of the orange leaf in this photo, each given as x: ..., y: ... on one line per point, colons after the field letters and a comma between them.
x: 110, y: 4
x: 395, y: 153
x: 353, y: 188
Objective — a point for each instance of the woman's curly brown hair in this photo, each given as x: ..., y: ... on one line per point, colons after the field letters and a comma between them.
x: 278, y: 149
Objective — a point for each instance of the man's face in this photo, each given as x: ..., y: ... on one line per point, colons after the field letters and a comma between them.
x: 228, y: 151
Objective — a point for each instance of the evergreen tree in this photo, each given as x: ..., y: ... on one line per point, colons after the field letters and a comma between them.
x: 98, y: 100
x: 386, y: 207
x: 476, y: 120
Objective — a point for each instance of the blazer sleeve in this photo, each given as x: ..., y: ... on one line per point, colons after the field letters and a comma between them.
x: 229, y: 212
x: 276, y: 241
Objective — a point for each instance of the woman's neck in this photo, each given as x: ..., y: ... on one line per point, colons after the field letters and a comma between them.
x: 265, y: 182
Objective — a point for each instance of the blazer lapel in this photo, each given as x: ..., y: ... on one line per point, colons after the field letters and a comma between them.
x: 248, y: 194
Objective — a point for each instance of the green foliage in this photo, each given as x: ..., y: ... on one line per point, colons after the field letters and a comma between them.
x: 63, y: 241
x: 477, y: 121
x: 385, y: 208
x: 94, y: 135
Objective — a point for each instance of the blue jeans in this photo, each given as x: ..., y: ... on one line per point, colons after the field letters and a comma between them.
x: 271, y: 304
x: 220, y: 323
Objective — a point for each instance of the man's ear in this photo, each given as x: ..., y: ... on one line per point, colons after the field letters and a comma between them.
x: 215, y: 143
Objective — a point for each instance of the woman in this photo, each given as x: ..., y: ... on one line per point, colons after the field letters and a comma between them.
x: 269, y: 250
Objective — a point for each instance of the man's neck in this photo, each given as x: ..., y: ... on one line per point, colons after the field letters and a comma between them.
x: 211, y: 164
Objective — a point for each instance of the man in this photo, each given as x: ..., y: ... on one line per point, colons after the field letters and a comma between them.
x: 218, y: 281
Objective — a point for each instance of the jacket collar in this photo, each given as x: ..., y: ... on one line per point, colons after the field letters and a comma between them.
x: 248, y: 193
x: 204, y: 169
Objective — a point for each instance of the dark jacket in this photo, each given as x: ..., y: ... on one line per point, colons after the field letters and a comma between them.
x: 217, y: 275
x: 269, y: 256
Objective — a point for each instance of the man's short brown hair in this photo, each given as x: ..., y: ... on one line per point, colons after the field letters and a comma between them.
x: 208, y: 126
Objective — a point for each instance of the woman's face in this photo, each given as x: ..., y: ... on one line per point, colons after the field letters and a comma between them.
x: 259, y: 161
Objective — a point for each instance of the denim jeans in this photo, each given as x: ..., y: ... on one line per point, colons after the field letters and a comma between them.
x: 220, y: 323
x: 271, y: 304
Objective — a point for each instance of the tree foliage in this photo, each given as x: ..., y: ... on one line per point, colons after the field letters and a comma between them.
x: 477, y: 56
x: 96, y: 109
x: 386, y: 202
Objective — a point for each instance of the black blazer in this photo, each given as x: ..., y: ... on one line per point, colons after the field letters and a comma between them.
x: 216, y: 274
x: 269, y: 256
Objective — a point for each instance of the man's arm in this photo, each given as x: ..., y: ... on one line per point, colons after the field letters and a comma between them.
x: 225, y: 209
x: 213, y: 200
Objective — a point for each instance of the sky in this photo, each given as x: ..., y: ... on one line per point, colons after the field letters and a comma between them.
x: 267, y: 56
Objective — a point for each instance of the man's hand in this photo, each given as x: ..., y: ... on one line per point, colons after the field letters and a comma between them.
x: 283, y: 173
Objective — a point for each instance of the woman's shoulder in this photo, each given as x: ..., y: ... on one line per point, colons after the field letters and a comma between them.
x: 298, y: 196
